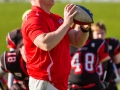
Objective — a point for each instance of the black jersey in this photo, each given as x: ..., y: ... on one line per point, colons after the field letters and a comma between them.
x: 72, y: 50
x: 113, y: 46
x: 114, y: 49
x: 85, y: 61
x: 13, y: 63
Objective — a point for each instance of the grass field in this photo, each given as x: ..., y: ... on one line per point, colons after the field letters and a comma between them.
x: 10, y: 17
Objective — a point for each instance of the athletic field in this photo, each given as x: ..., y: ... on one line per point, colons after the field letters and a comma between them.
x: 11, y: 13
x: 10, y: 17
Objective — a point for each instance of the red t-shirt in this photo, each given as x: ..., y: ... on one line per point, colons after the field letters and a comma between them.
x: 53, y: 66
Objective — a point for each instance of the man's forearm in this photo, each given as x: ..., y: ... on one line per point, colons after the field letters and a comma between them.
x: 81, y: 35
x: 50, y: 40
x: 81, y: 38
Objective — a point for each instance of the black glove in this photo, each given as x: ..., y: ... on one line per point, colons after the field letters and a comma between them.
x: 102, y: 85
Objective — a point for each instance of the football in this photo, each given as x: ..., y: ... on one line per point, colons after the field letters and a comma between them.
x: 83, y: 17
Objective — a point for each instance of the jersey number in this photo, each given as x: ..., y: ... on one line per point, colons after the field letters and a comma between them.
x: 89, y: 61
x: 100, y: 69
x: 76, y: 64
x: 11, y: 57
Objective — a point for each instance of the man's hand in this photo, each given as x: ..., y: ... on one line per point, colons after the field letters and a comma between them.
x: 69, y: 13
x: 102, y: 85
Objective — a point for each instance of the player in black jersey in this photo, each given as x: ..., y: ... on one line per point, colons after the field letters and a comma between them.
x: 99, y: 31
x: 13, y: 38
x: 83, y: 75
x: 14, y: 62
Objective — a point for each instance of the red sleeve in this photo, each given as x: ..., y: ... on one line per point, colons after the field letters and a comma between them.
x: 103, y: 51
x: 37, y: 27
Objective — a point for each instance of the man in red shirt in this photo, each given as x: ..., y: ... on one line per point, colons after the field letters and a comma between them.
x: 47, y: 39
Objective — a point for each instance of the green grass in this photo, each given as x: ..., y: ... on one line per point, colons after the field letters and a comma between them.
x: 118, y: 86
x: 10, y: 17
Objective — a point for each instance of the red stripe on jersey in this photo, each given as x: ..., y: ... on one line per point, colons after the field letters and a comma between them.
x: 102, y: 51
x: 11, y: 44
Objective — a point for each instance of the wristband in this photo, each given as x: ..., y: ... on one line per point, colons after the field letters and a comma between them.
x: 83, y: 30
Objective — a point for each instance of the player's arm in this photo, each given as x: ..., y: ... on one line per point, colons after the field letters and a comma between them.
x: 103, y: 52
x: 104, y: 57
x: 116, y: 56
x: 108, y: 73
x: 116, y: 51
x: 116, y: 59
x: 109, y: 70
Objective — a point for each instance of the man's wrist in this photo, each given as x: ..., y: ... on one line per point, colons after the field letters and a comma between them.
x: 84, y: 30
